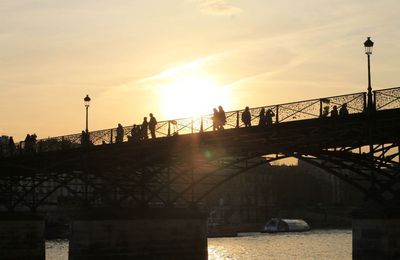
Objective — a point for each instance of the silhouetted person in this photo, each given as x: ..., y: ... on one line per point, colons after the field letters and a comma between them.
x: 152, y: 126
x: 222, y: 118
x: 334, y: 112
x: 246, y: 117
x: 120, y: 134
x: 84, y: 138
x: 33, y: 137
x: 135, y: 133
x: 133, y: 130
x: 325, y: 111
x: 343, y: 112
x: 215, y: 119
x: 268, y: 117
x: 28, y: 143
x: 262, y: 118
x: 138, y: 132
x: 144, y: 127
x: 11, y: 146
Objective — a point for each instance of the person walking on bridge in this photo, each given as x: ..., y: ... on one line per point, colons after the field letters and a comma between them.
x: 144, y: 127
x: 120, y: 134
x: 343, y: 112
x: 28, y: 144
x: 135, y: 133
x: 268, y: 117
x: 152, y: 126
x: 11, y: 146
x: 84, y: 138
x: 222, y: 118
x: 262, y: 117
x: 334, y: 112
x: 246, y: 117
x: 215, y: 119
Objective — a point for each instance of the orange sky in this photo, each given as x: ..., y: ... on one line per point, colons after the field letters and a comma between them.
x: 177, y: 58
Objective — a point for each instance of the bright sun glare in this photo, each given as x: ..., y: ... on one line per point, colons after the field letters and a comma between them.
x: 192, y: 96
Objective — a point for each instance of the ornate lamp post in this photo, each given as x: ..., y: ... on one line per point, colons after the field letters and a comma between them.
x: 87, y: 101
x: 368, y: 44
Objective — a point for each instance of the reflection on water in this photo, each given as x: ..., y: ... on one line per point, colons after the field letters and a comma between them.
x: 57, y: 249
x: 318, y: 244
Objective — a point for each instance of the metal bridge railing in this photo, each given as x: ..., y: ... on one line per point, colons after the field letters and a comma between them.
x: 387, y: 98
x: 302, y: 110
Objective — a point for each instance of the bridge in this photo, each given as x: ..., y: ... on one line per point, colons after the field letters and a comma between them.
x: 188, y: 160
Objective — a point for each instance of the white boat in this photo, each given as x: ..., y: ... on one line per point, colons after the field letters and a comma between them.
x: 286, y: 225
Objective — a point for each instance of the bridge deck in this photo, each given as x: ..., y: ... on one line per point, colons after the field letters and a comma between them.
x: 288, y: 137
x: 183, y: 169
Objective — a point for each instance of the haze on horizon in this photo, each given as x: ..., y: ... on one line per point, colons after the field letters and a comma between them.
x: 137, y: 57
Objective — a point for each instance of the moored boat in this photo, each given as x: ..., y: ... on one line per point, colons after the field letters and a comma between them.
x: 286, y: 225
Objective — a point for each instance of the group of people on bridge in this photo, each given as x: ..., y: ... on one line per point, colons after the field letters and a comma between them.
x: 140, y: 132
x: 335, y: 113
x: 9, y: 148
x: 218, y: 118
x: 264, y: 117
x: 30, y: 143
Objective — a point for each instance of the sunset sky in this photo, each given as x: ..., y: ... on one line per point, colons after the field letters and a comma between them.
x: 178, y: 58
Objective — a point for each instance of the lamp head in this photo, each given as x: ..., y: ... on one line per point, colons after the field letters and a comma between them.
x: 87, y: 100
x: 368, y: 44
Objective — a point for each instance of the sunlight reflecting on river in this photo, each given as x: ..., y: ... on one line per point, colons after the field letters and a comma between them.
x: 57, y: 249
x: 318, y: 244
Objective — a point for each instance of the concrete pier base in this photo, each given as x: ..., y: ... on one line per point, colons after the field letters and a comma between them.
x: 21, y: 237
x: 128, y: 234
x: 376, y: 234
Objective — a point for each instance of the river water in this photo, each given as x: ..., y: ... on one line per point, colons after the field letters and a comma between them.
x: 317, y: 244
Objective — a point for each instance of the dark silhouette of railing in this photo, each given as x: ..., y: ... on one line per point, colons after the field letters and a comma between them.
x: 301, y: 110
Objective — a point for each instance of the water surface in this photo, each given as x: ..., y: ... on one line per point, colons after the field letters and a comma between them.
x: 317, y: 244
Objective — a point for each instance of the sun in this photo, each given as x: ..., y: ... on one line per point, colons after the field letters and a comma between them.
x: 192, y: 96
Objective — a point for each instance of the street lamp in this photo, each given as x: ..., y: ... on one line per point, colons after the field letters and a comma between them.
x: 368, y: 44
x: 87, y: 101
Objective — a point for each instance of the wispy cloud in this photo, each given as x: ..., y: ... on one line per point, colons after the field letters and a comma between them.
x: 218, y: 7
x: 182, y: 69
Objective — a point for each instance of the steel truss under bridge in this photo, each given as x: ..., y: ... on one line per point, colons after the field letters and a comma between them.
x: 181, y: 170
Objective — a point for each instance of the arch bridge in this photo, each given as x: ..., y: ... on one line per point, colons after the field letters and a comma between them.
x: 188, y: 160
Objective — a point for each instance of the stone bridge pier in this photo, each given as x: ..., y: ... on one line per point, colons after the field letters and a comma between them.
x: 121, y: 234
x: 376, y: 234
x: 21, y: 237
